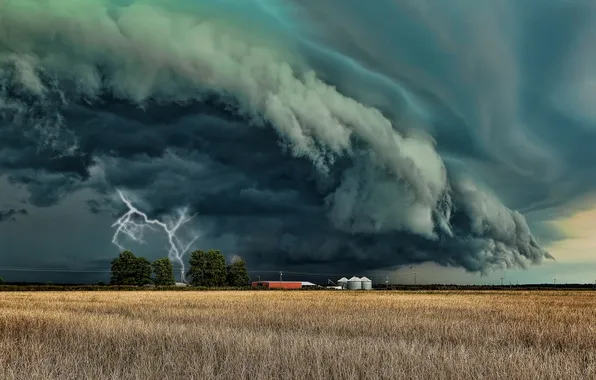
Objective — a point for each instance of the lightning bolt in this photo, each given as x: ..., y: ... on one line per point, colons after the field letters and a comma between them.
x: 129, y: 225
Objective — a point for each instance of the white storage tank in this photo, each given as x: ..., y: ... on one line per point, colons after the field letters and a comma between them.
x: 343, y: 282
x: 366, y: 283
x: 354, y: 283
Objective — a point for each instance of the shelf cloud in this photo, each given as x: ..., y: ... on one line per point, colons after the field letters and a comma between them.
x: 310, y: 132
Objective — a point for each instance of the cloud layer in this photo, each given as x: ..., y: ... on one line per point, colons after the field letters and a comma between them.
x: 308, y: 133
x: 11, y: 214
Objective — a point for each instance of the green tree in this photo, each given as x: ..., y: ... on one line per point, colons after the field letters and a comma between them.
x: 207, y: 268
x: 198, y: 263
x: 164, y: 272
x: 128, y: 269
x: 237, y: 273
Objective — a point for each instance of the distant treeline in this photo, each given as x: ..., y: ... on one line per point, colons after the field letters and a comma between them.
x: 24, y: 286
x: 487, y: 287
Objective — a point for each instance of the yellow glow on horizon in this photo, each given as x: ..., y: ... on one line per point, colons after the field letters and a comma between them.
x: 580, y: 246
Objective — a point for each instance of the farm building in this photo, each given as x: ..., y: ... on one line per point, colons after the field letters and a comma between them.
x: 278, y: 284
x: 366, y: 283
x: 355, y: 283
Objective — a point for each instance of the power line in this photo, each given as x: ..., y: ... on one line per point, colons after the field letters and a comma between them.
x: 322, y: 274
x: 71, y: 270
x: 63, y: 270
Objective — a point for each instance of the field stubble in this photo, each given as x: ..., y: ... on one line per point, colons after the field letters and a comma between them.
x: 289, y: 335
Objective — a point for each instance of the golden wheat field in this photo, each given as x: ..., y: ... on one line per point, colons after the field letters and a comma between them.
x: 298, y: 335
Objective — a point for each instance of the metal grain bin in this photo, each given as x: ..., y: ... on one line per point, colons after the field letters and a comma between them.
x: 366, y: 283
x: 343, y: 282
x: 354, y: 283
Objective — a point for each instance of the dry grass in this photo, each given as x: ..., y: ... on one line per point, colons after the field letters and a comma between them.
x: 291, y: 335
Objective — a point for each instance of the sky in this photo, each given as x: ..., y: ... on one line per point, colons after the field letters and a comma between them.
x: 448, y: 139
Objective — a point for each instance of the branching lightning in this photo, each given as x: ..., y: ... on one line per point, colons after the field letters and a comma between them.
x: 129, y: 225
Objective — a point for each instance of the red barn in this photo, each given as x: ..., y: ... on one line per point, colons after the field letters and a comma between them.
x: 277, y: 284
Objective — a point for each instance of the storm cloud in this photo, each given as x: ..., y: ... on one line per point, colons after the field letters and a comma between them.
x: 11, y: 214
x: 309, y: 133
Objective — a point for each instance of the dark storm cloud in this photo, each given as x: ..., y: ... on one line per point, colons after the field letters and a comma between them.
x: 490, y: 75
x: 11, y: 214
x: 335, y: 144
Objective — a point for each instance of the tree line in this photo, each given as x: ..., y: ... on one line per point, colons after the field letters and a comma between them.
x: 207, y: 268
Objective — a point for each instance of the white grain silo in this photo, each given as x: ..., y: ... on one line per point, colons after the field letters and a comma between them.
x: 343, y: 282
x: 354, y: 283
x: 366, y: 283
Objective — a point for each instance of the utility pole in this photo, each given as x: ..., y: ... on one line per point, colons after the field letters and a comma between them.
x: 280, y: 275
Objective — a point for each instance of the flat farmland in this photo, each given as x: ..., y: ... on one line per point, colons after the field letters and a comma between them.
x: 298, y: 335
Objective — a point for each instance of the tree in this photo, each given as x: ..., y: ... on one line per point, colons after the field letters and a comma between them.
x: 164, y: 272
x: 1, y: 281
x: 128, y: 269
x: 237, y: 273
x: 207, y: 268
